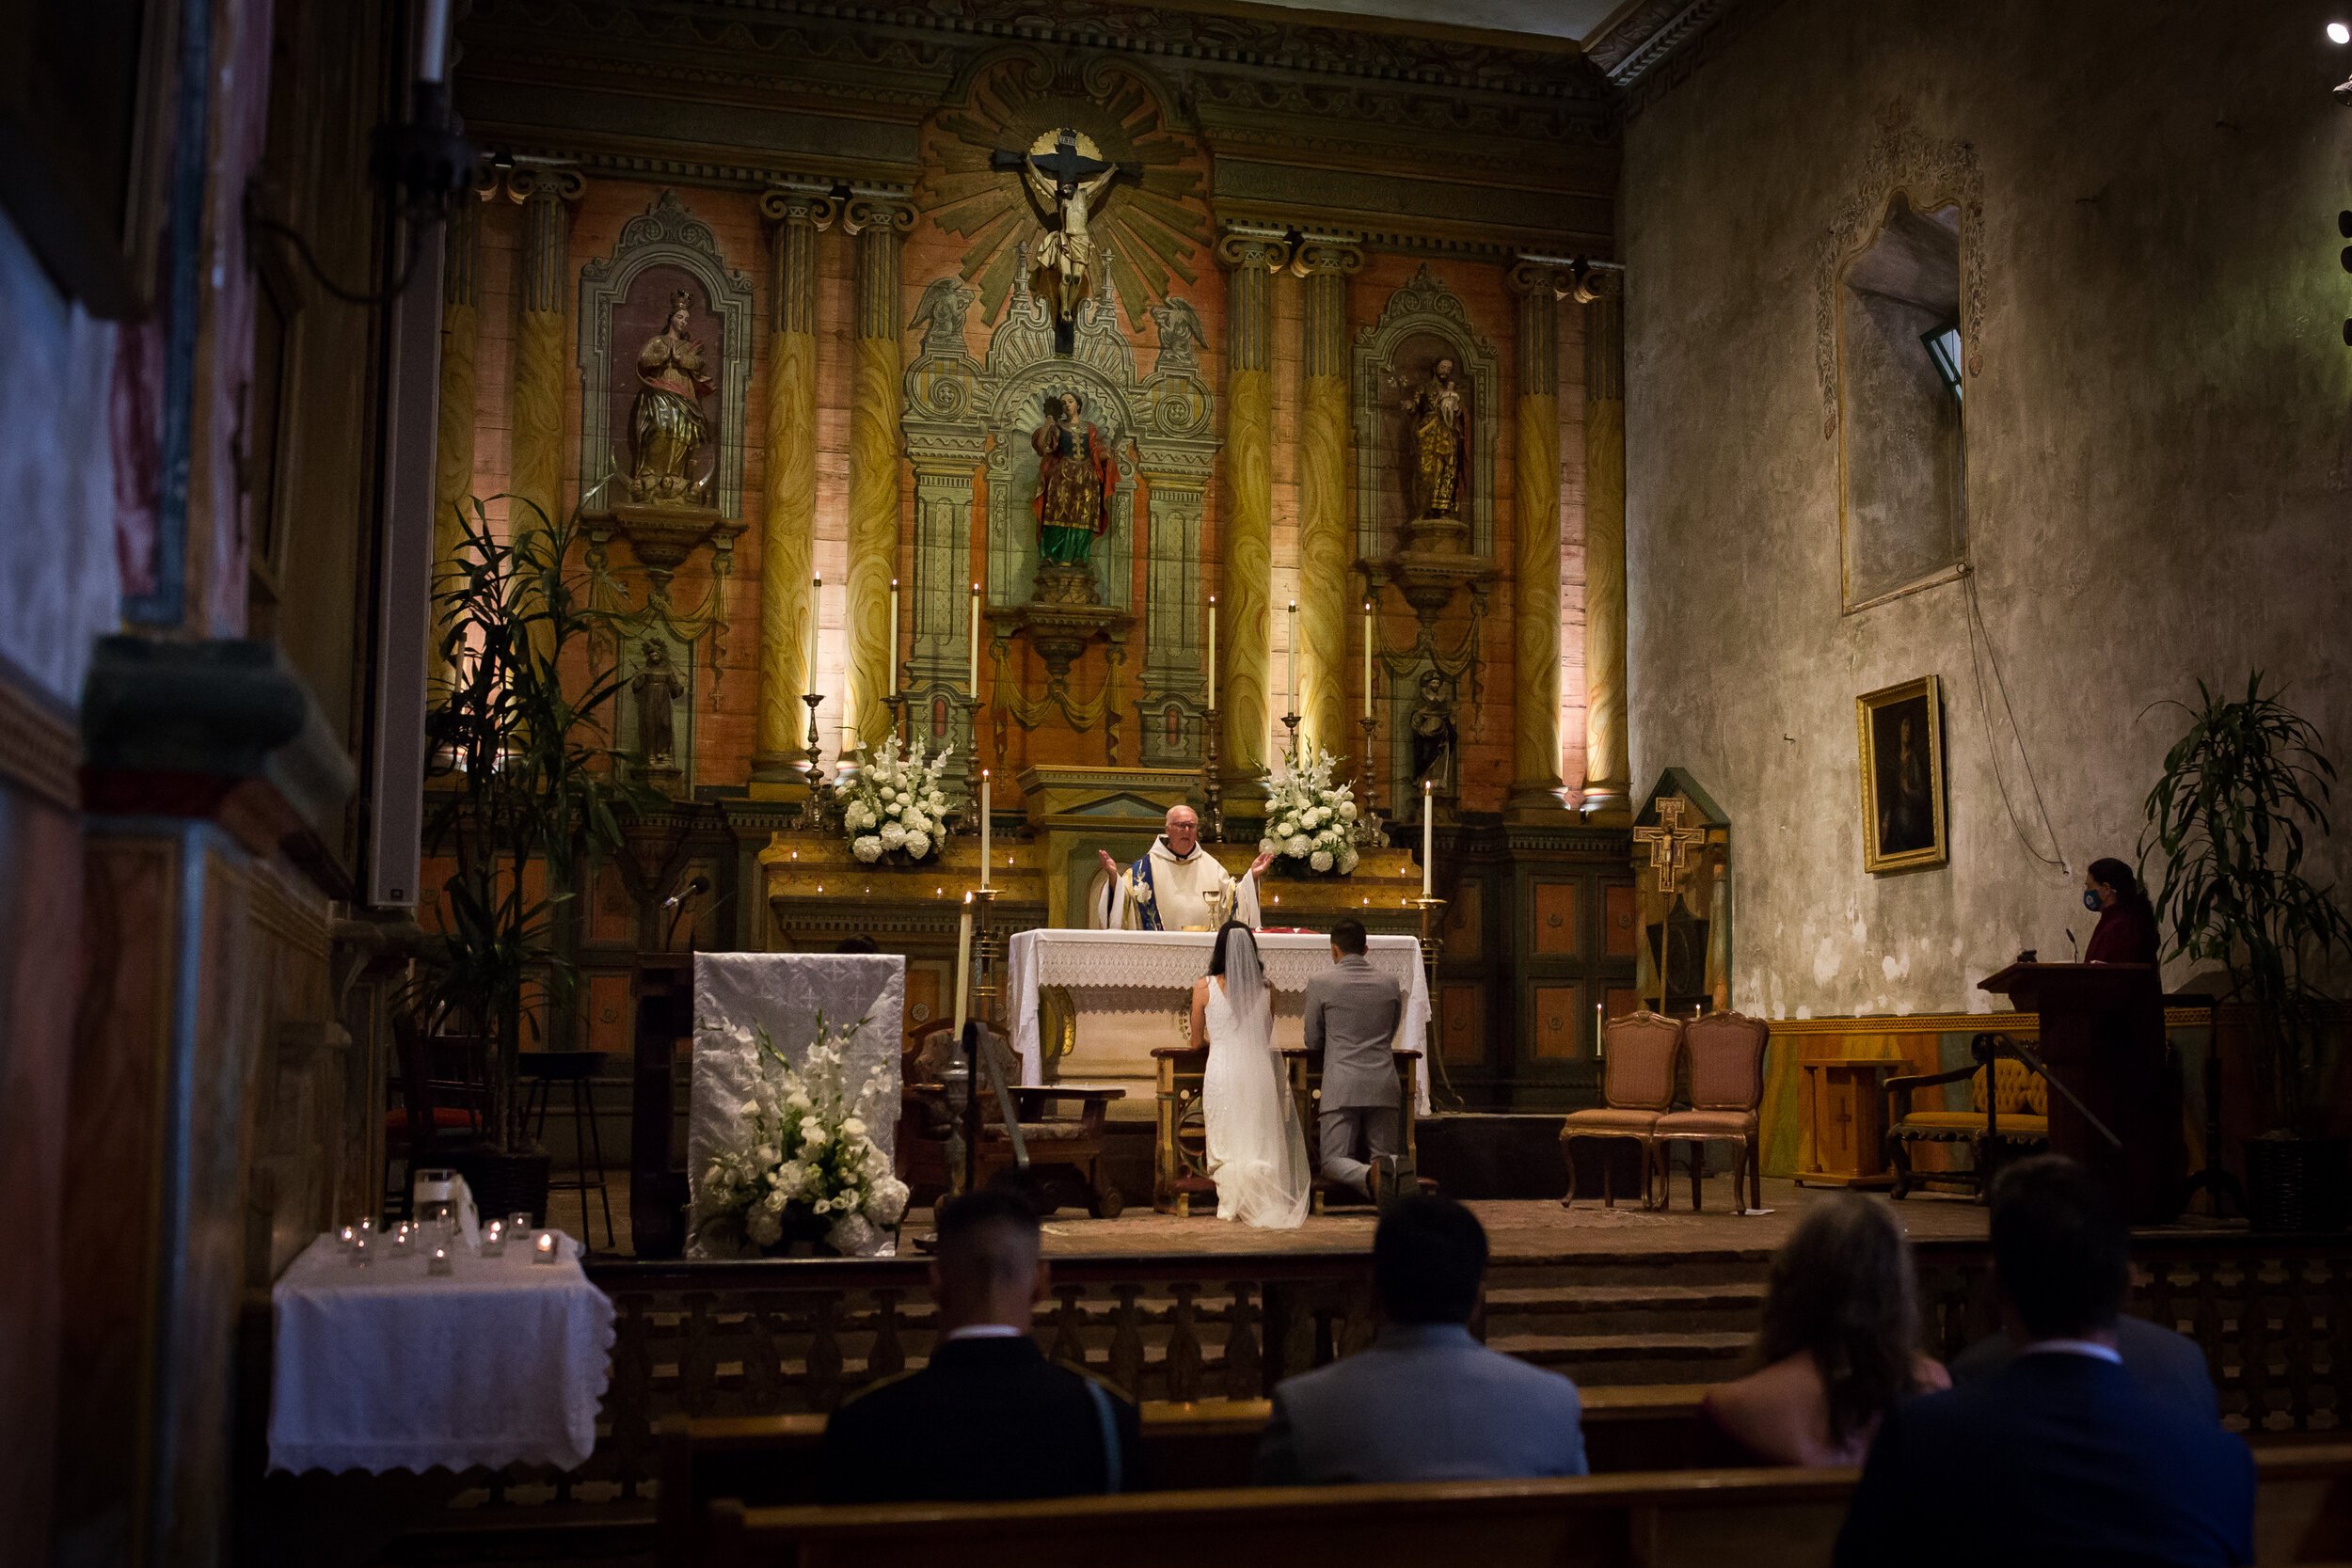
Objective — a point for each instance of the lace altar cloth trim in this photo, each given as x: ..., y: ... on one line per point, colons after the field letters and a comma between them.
x: 1152, y: 972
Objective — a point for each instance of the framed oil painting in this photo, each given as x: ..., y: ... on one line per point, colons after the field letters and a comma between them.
x: 1901, y: 730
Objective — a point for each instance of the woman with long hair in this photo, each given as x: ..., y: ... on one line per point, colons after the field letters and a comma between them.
x: 2126, y: 932
x: 1257, y: 1153
x: 1839, y: 1343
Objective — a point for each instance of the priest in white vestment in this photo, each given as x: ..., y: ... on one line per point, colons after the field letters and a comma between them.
x: 1177, y: 885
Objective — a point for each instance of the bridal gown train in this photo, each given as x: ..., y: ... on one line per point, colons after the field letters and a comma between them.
x: 1257, y: 1152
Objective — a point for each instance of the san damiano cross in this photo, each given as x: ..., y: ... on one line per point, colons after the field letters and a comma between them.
x: 1669, y: 843
x: 1066, y: 175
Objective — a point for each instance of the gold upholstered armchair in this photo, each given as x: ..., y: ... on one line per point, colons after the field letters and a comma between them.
x: 1726, y: 1053
x: 1637, y: 1086
x: 2009, y: 1114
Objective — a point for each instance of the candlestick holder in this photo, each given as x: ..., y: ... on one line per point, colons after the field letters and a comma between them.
x: 1211, y: 792
x: 970, y: 822
x: 821, y: 803
x: 898, y: 704
x: 1290, y: 752
x: 1371, y: 779
x: 1432, y: 943
x: 985, y: 986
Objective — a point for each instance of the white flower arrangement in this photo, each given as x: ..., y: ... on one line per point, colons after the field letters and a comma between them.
x: 802, y: 1154
x: 1309, y: 818
x: 896, y: 807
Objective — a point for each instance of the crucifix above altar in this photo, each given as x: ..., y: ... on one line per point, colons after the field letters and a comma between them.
x: 1066, y: 177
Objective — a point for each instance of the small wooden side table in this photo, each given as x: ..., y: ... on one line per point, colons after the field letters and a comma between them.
x: 1845, y: 1116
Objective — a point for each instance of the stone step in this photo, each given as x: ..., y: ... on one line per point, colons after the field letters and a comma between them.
x: 1618, y: 1360
x: 1633, y: 1309
x: 1726, y: 1266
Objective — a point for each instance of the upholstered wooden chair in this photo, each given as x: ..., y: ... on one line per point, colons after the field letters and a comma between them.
x: 1726, y: 1055
x: 2009, y: 1115
x: 1637, y: 1086
x: 1063, y: 1151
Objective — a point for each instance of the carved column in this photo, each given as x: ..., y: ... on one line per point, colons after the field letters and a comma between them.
x: 1607, y: 767
x: 789, y: 516
x: 541, y: 289
x: 453, y: 467
x: 1246, y: 582
x: 881, y: 229
x: 1325, y: 264
x: 1535, y: 567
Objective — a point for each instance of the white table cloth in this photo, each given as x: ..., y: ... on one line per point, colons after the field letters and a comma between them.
x: 1151, y: 971
x: 390, y: 1368
x: 786, y: 993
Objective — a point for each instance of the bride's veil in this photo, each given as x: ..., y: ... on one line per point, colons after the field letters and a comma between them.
x: 1265, y: 1170
x: 1245, y: 986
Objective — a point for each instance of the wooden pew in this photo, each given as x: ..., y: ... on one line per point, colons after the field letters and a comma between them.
x: 771, y: 1460
x: 1759, y: 1518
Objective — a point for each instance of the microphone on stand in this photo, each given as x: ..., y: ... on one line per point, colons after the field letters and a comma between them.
x: 676, y: 903
x: 2070, y: 945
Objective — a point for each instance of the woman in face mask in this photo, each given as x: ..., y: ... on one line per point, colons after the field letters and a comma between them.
x: 2126, y: 932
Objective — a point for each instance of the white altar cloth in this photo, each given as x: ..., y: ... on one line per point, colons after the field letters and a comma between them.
x: 785, y: 994
x: 392, y: 1367
x: 1152, y: 972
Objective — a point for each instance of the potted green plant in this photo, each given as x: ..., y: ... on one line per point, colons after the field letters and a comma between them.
x: 521, y: 782
x: 2244, y: 795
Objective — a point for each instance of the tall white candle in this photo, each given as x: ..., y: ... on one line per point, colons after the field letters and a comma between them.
x: 815, y: 593
x: 1213, y: 650
x: 985, y: 788
x: 1293, y: 660
x: 894, y: 637
x: 963, y: 965
x: 1428, y: 838
x: 1368, y: 659
x: 972, y: 680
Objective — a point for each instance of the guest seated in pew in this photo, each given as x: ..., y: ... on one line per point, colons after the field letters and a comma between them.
x: 2060, y: 1457
x: 990, y: 1418
x: 2169, y: 1367
x: 1427, y: 1401
x: 1839, y: 1343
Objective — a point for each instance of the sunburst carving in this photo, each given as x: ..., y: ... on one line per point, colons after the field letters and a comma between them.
x: 1149, y: 228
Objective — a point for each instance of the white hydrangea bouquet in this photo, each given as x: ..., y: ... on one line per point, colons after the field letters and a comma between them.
x: 897, y: 809
x: 1309, y: 818
x: 802, y: 1165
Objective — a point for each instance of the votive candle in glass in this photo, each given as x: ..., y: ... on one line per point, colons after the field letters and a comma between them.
x: 361, y: 1254
x: 494, y: 1239
x: 439, y: 1262
x: 543, y: 1247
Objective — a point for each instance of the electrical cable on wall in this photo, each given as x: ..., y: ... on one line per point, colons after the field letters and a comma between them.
x: 1978, y: 630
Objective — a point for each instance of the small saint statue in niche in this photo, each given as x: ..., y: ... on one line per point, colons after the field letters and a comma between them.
x: 1434, y: 738
x: 1438, y: 443
x: 657, y: 686
x: 1066, y: 175
x: 1077, y: 473
x: 667, y: 427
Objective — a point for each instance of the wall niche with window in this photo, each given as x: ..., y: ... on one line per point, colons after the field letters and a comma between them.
x: 1902, y: 488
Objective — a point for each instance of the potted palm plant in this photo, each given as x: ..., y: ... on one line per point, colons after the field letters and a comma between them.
x: 525, y: 787
x: 2244, y: 795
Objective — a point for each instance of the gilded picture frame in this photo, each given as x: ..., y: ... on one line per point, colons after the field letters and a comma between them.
x: 1900, y: 730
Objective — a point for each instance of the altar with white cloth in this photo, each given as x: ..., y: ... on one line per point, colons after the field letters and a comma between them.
x: 1115, y: 996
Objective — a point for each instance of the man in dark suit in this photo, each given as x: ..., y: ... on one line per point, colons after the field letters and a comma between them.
x: 989, y: 1417
x: 1351, y: 1015
x: 2060, y: 1457
x: 2169, y: 1367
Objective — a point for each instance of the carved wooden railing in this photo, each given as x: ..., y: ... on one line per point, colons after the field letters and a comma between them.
x: 769, y: 1337
x: 2274, y: 1315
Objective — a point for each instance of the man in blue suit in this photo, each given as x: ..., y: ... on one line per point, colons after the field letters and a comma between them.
x: 1427, y: 1401
x: 2062, y: 1456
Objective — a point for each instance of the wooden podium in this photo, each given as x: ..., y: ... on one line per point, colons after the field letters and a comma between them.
x: 2102, y: 1037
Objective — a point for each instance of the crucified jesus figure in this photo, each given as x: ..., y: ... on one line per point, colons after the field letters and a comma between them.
x: 1065, y: 177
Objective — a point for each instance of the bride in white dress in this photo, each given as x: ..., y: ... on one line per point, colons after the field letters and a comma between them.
x: 1257, y: 1153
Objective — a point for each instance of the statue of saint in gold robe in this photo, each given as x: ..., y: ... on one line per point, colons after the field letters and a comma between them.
x: 1438, y: 426
x: 666, y: 426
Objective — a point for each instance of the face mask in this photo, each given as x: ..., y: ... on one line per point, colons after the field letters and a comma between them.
x: 2090, y: 901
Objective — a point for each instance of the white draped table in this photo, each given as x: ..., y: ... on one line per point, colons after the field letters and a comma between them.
x: 392, y: 1367
x: 1131, y: 993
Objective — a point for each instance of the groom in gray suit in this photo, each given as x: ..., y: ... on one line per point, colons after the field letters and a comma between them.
x: 1352, y: 1010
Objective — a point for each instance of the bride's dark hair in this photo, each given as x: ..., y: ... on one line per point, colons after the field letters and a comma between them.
x: 1225, y: 936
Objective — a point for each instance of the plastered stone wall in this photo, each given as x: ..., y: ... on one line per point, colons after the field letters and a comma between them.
x: 2158, y: 448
